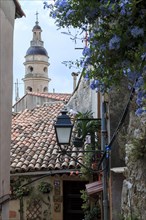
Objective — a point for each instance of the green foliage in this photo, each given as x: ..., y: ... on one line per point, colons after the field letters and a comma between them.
x: 37, y: 195
x: 116, y: 45
x: 106, y: 19
x: 90, y: 213
x: 128, y: 218
x: 87, y: 161
x: 79, y: 18
x: 45, y: 187
x: 18, y: 190
x: 139, y: 149
x: 85, y: 124
x: 85, y: 198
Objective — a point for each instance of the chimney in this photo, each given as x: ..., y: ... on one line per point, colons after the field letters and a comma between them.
x: 74, y: 79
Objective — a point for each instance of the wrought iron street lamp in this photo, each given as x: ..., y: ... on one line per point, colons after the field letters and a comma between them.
x: 63, y: 129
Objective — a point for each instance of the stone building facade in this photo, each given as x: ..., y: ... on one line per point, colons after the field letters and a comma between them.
x: 9, y: 10
x: 84, y: 99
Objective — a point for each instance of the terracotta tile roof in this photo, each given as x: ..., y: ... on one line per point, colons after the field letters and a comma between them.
x: 56, y: 96
x: 33, y: 141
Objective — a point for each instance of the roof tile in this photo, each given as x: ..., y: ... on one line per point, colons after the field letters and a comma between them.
x: 33, y: 145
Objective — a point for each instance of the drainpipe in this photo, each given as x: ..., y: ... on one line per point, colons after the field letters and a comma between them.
x: 104, y: 168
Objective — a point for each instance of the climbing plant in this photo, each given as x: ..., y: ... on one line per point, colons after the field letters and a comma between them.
x: 90, y: 213
x: 138, y: 147
x: 116, y: 41
x: 18, y: 190
x: 45, y: 187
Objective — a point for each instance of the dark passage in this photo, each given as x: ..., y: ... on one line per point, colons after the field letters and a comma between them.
x: 71, y: 200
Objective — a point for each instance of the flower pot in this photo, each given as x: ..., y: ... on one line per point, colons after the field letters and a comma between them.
x: 77, y: 142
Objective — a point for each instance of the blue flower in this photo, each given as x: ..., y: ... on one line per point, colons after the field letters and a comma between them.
x: 91, y: 36
x: 123, y: 11
x: 61, y: 3
x: 46, y: 5
x: 140, y: 94
x: 94, y: 84
x: 137, y: 32
x: 143, y: 56
x: 86, y: 77
x: 139, y: 102
x: 69, y: 12
x: 85, y: 63
x: 139, y: 82
x: 139, y: 111
x: 54, y: 14
x: 124, y: 2
x: 86, y: 51
x: 114, y: 43
x: 103, y: 47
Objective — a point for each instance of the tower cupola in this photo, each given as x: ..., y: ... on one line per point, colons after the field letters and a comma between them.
x: 36, y: 63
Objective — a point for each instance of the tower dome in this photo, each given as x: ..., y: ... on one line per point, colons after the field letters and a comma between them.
x: 36, y: 26
x: 36, y: 50
x: 36, y: 63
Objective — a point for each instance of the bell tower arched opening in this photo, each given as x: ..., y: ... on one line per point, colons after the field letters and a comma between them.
x: 36, y: 63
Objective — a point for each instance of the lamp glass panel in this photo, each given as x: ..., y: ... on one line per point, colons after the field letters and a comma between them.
x: 63, y: 135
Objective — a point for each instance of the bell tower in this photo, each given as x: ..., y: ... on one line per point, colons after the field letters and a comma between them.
x: 36, y: 63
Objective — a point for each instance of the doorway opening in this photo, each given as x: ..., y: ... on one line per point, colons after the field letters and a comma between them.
x: 72, y: 201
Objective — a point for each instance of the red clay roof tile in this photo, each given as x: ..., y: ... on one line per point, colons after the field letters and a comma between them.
x: 33, y: 145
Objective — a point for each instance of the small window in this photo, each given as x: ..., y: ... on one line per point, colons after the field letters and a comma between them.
x: 29, y: 89
x: 30, y: 69
x: 45, y: 89
x: 45, y: 69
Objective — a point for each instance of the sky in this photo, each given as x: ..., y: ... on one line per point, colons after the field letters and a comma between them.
x: 58, y: 45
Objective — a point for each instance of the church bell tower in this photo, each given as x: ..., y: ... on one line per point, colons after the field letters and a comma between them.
x: 36, y: 64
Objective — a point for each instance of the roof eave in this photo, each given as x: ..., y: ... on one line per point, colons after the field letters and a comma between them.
x: 19, y: 12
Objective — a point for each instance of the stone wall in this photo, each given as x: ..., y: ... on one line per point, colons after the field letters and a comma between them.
x: 117, y: 103
x: 7, y: 15
x: 84, y: 99
x: 134, y: 186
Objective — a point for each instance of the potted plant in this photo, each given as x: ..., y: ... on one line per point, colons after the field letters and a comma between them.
x: 85, y: 124
x: 78, y: 142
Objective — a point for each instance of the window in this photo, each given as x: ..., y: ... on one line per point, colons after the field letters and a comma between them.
x: 30, y: 69
x: 45, y: 69
x: 29, y: 89
x: 45, y: 89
